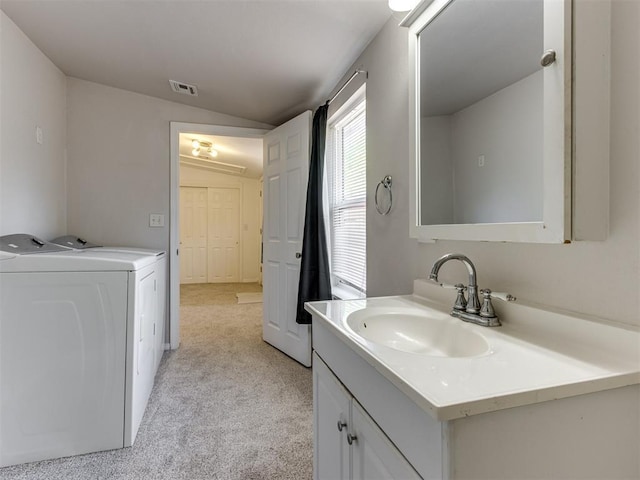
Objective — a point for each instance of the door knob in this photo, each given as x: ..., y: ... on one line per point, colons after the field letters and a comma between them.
x: 351, y: 438
x: 341, y: 425
x: 298, y: 255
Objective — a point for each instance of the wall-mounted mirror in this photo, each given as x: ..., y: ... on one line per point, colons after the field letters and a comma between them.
x: 490, y: 124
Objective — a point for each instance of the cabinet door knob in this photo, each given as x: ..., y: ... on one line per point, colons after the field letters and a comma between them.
x: 298, y: 255
x: 548, y: 58
x: 341, y: 425
x: 351, y: 438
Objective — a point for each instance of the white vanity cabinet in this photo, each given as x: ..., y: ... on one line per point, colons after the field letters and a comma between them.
x: 548, y: 400
x: 395, y: 439
x: 348, y: 443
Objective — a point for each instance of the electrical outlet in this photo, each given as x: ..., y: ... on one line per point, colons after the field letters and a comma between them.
x: 481, y: 161
x: 39, y: 135
x: 156, y: 220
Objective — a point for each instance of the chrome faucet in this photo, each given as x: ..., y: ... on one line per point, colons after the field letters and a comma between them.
x: 470, y: 310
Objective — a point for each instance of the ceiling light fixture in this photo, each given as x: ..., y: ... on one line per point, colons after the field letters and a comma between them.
x: 200, y: 147
x: 402, y: 5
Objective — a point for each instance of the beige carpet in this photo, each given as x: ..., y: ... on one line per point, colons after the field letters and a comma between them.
x: 215, y: 293
x: 225, y: 406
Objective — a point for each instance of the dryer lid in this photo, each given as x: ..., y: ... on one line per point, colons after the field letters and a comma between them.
x: 24, y: 244
x: 72, y: 241
x: 5, y: 255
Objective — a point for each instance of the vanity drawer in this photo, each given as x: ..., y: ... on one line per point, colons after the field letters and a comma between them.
x: 414, y: 432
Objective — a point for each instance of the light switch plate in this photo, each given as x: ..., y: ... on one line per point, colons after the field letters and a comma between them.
x: 156, y: 220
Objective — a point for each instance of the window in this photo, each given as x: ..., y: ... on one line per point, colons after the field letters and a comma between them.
x: 346, y: 174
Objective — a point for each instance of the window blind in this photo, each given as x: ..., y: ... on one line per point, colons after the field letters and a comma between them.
x: 347, y: 190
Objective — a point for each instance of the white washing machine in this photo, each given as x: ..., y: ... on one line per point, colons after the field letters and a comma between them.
x: 79, y: 243
x: 79, y: 332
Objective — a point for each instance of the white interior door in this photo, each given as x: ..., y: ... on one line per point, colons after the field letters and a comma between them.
x: 286, y: 171
x: 193, y: 235
x: 224, y: 235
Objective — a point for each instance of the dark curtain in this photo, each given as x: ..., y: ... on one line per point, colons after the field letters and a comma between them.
x: 315, y: 282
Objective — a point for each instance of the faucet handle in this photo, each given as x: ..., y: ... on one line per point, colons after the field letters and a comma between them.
x: 487, y: 307
x: 461, y: 302
x: 505, y: 297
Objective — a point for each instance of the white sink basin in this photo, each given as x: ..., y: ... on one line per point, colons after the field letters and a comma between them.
x: 417, y: 331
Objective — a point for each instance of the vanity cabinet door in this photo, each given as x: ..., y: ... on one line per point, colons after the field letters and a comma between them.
x: 374, y: 456
x: 331, y: 421
x: 347, y: 442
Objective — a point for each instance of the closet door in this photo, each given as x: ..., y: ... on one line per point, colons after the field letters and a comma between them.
x: 224, y: 235
x: 193, y: 235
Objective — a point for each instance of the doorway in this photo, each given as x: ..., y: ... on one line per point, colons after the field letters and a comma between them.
x: 226, y: 186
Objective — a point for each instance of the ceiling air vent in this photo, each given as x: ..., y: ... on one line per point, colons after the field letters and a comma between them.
x: 185, y: 88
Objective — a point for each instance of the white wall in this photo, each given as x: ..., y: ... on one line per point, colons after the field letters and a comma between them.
x: 391, y: 254
x: 118, y: 173
x: 119, y: 162
x: 250, y: 211
x: 506, y: 128
x: 599, y: 278
x: 32, y: 175
x: 436, y: 171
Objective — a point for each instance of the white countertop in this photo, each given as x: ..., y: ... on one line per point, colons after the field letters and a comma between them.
x: 536, y: 355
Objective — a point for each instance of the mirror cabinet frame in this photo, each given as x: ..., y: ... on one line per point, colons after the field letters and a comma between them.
x: 555, y: 226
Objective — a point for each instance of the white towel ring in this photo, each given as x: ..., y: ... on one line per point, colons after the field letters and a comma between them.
x: 386, y: 183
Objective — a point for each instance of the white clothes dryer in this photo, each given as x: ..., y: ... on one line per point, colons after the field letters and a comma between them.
x: 79, y: 243
x: 77, y: 339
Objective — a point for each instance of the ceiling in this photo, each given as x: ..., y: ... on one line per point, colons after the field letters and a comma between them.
x: 473, y: 49
x: 262, y: 60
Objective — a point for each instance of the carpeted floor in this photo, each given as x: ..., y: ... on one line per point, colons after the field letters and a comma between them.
x: 225, y: 405
x: 214, y: 293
